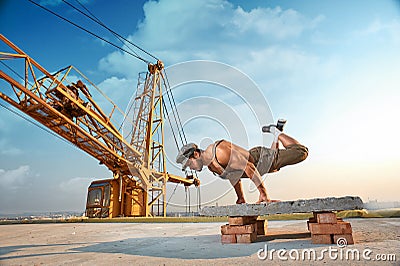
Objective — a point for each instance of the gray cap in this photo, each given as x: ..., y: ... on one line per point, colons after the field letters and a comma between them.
x: 184, y: 153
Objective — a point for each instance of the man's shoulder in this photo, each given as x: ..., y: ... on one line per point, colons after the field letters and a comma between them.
x: 216, y: 145
x: 223, y: 142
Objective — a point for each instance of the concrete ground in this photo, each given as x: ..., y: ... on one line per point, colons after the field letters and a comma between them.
x: 191, y: 243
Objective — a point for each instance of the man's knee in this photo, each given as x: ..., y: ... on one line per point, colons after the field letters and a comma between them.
x: 293, y: 154
x: 302, y: 153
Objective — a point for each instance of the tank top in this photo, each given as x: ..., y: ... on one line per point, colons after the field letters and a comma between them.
x: 224, y: 173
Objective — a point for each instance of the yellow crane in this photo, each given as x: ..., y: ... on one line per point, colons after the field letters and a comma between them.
x: 63, y: 103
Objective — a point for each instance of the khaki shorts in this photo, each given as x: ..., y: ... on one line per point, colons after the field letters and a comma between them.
x: 268, y: 160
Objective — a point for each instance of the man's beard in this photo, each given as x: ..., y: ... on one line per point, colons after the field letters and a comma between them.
x: 200, y: 165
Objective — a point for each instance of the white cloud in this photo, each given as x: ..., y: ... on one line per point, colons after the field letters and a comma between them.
x: 118, y: 63
x: 212, y: 30
x: 113, y: 87
x: 286, y: 68
x: 15, y: 178
x: 273, y: 22
x: 192, y: 24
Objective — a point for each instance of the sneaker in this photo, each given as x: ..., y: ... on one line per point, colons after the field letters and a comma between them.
x: 268, y: 129
x: 281, y: 123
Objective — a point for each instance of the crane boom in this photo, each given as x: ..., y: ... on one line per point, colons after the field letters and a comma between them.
x: 84, y: 125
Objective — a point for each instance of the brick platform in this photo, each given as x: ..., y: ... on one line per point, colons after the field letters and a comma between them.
x: 326, y: 228
x: 242, y: 229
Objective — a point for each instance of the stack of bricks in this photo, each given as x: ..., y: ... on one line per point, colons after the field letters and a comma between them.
x: 326, y: 228
x: 243, y: 229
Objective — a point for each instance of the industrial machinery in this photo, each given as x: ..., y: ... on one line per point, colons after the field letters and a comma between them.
x: 64, y: 102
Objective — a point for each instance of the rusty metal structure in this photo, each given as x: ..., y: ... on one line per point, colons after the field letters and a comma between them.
x: 63, y: 102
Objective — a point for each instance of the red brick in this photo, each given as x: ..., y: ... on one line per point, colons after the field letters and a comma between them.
x: 348, y: 237
x: 246, y: 238
x: 322, y: 239
x: 241, y: 220
x: 238, y: 229
x: 310, y: 222
x: 261, y: 227
x: 228, y: 239
x: 325, y: 217
x: 323, y: 229
x: 314, y: 218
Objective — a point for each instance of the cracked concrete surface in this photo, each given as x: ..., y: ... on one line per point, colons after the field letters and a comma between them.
x: 180, y: 243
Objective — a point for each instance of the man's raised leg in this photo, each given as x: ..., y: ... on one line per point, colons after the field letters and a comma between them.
x: 293, y: 153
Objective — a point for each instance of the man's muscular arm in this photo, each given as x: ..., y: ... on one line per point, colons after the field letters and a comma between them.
x: 240, y: 162
x: 251, y: 171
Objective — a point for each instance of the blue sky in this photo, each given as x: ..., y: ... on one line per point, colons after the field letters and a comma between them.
x: 329, y: 67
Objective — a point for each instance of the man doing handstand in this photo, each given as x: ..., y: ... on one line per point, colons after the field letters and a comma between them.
x: 232, y: 162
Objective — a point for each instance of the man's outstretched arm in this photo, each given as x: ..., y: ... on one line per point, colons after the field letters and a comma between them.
x: 239, y: 162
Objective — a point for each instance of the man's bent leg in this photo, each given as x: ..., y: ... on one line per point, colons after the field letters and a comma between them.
x: 293, y: 153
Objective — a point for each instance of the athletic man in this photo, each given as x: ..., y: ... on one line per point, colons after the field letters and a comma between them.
x: 232, y: 162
